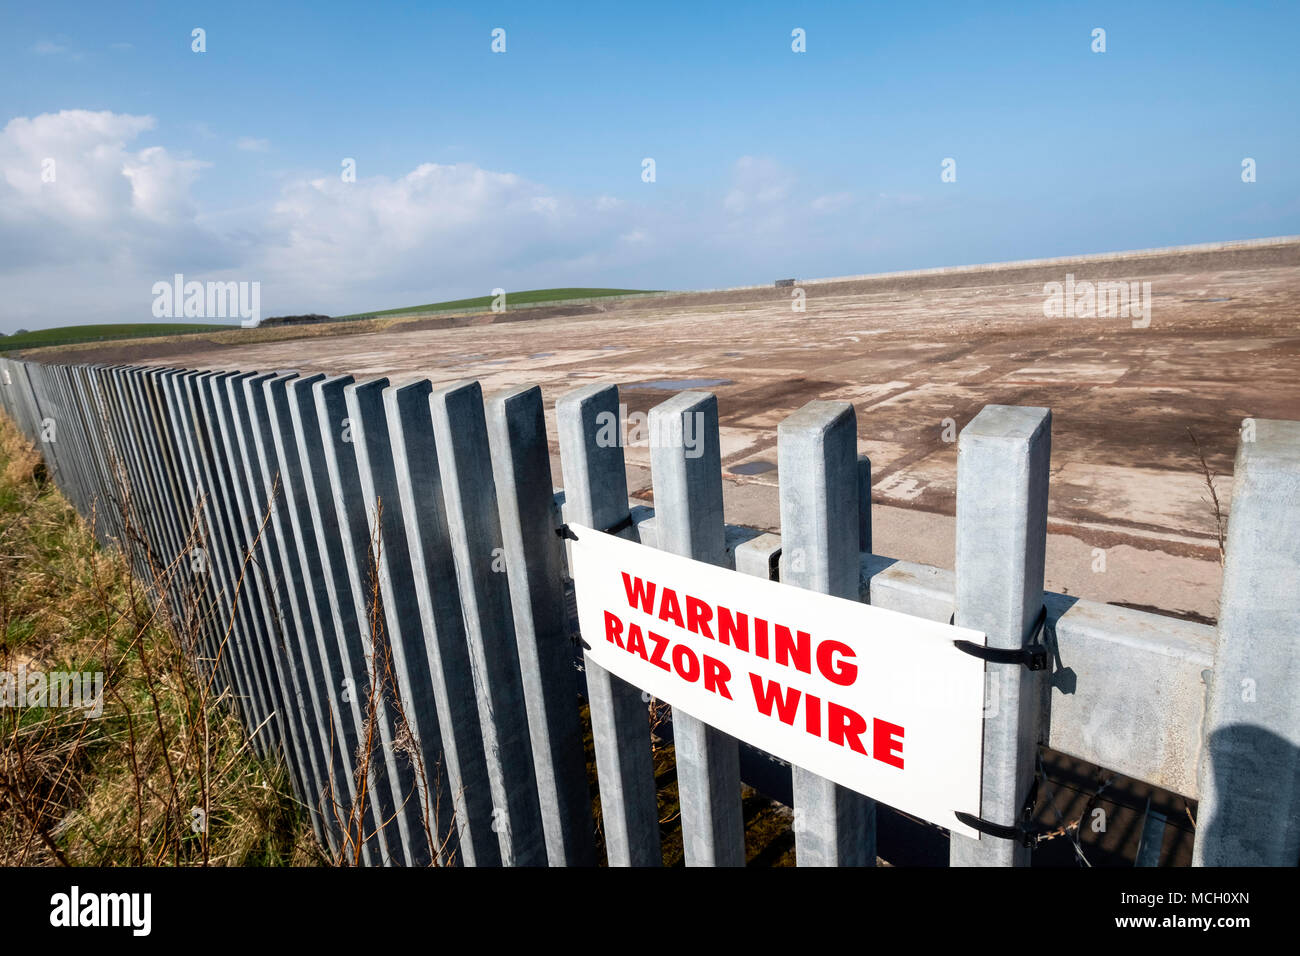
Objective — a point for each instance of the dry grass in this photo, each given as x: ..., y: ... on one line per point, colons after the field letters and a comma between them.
x: 1216, y: 506
x: 166, y: 775
x: 384, y: 686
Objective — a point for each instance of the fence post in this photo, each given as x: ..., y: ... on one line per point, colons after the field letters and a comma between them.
x: 247, y: 572
x: 1249, y: 776
x: 1003, y: 460
x: 333, y: 597
x: 595, y: 487
x: 469, y: 491
x: 297, y: 569
x: 173, y: 545
x: 289, y: 630
x: 534, y: 561
x: 141, y: 435
x: 48, y: 411
x: 65, y: 434
x: 213, y: 554
x: 286, y: 665
x: 220, y: 551
x: 230, y: 613
x: 247, y: 468
x: 817, y: 454
x: 246, y: 474
x: 419, y: 490
x: 200, y: 585
x: 407, y: 639
x: 344, y: 481
x: 686, y: 469
x: 122, y: 486
x: 87, y: 379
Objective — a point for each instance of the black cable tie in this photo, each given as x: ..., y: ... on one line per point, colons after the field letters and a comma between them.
x: 622, y: 525
x: 987, y: 828
x: 564, y: 531
x: 1033, y: 655
x: 1024, y: 832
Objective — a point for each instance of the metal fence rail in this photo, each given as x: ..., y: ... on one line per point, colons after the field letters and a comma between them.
x: 372, y: 573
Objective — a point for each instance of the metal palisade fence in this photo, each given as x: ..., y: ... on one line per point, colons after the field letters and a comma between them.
x: 373, y: 574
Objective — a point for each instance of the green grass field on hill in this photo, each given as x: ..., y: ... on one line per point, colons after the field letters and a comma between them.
x: 529, y: 297
x: 69, y: 334
x: 78, y: 334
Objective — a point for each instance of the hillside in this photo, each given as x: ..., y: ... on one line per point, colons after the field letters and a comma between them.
x: 513, y: 299
x: 70, y: 334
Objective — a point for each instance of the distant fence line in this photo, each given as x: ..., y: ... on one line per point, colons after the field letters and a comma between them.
x: 379, y: 584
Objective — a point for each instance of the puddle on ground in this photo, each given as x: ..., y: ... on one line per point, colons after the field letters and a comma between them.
x: 677, y: 384
x: 752, y: 468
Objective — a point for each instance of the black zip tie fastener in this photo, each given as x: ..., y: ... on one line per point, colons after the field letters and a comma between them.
x: 1028, y: 835
x: 1033, y: 655
x: 564, y: 531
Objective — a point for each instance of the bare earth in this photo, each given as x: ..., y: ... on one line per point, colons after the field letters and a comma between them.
x: 910, y: 351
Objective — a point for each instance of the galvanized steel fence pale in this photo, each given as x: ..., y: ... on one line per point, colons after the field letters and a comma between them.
x: 372, y: 575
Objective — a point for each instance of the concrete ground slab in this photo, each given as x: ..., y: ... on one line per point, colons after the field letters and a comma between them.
x: 1130, y: 405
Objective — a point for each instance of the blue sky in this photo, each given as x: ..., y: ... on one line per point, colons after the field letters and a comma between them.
x: 523, y: 169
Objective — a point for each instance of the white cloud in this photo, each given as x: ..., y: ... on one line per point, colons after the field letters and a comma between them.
x: 122, y: 214
x: 832, y: 202
x: 96, y: 178
x: 251, y: 145
x: 160, y: 185
x: 439, y: 227
x: 86, y: 218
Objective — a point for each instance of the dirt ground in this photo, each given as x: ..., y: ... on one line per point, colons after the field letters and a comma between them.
x: 911, y: 352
